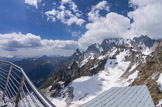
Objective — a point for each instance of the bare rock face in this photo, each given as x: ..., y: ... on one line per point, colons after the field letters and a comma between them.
x: 69, y: 95
x: 134, y: 45
x: 93, y: 50
x: 147, y: 73
x: 108, y: 44
x: 161, y: 43
x: 155, y: 45
x: 144, y: 40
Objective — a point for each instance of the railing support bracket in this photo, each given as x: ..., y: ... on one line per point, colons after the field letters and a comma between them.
x: 19, y: 90
x: 6, y: 84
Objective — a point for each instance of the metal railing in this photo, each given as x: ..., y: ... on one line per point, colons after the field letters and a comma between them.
x: 17, y: 90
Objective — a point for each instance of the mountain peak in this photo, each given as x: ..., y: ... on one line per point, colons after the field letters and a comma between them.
x: 108, y: 44
x: 144, y: 40
x: 77, y: 52
x: 145, y: 36
x: 93, y: 50
x: 93, y: 47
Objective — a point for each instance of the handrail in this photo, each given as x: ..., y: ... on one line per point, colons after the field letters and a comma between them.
x: 40, y: 97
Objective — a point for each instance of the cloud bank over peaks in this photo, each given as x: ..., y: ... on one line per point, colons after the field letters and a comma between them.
x: 113, y: 25
x: 31, y: 45
x: 67, y: 15
x: 103, y: 27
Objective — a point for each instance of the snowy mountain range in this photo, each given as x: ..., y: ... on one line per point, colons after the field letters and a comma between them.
x: 115, y: 62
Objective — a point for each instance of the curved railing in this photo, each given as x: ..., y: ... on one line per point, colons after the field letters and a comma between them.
x: 16, y: 89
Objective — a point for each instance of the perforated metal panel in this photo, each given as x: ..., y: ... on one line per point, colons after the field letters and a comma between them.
x: 136, y: 96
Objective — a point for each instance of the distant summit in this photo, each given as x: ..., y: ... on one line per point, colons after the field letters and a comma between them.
x: 108, y: 44
x: 147, y: 41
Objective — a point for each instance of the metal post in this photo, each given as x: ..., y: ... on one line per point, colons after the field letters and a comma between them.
x: 41, y: 98
x: 0, y: 64
x: 6, y: 84
x: 19, y: 90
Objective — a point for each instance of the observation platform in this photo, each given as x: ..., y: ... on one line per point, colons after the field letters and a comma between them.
x: 17, y: 90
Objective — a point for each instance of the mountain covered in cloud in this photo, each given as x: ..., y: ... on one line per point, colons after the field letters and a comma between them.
x: 113, y: 63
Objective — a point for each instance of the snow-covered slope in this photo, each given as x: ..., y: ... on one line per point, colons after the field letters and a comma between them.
x: 86, y: 88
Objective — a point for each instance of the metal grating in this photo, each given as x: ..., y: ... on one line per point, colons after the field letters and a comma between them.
x: 135, y: 96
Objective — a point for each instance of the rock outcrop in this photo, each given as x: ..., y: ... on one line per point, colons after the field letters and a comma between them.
x: 161, y: 43
x: 155, y: 45
x: 149, y: 73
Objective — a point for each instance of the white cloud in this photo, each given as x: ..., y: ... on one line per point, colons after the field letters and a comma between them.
x: 140, y: 3
x: 65, y: 1
x: 31, y: 45
x: 33, y: 2
x: 72, y: 5
x: 62, y: 44
x: 74, y: 34
x: 94, y: 15
x: 67, y: 15
x: 51, y: 15
x: 101, y: 5
x: 13, y: 41
x: 113, y: 25
x: 103, y: 27
x: 147, y: 17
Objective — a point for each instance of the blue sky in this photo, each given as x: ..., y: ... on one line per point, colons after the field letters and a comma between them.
x: 17, y: 16
x: 58, y: 27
